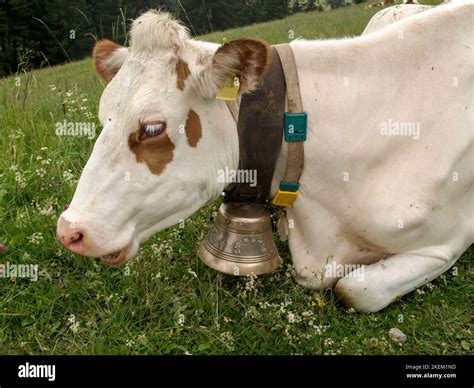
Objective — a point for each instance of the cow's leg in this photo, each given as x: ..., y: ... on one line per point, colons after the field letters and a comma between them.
x: 376, y: 285
x: 316, y: 244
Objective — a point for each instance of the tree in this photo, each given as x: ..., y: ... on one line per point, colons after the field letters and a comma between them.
x: 336, y: 3
x: 310, y: 6
x: 296, y: 7
x: 55, y: 31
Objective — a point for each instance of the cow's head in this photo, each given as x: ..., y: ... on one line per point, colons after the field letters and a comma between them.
x: 164, y: 136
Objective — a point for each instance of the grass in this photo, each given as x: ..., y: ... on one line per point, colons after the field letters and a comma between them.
x: 166, y: 301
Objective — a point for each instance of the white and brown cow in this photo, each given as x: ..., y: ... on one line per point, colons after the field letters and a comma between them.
x: 393, y: 14
x: 388, y: 170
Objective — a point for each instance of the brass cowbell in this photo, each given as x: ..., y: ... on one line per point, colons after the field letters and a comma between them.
x: 241, y: 241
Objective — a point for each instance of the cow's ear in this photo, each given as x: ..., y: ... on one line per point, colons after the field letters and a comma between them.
x: 245, y: 59
x: 108, y: 58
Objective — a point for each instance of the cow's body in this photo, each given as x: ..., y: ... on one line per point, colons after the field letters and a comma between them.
x: 402, y: 205
x: 409, y: 202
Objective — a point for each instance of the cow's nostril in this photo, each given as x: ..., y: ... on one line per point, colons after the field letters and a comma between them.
x: 72, y: 237
x: 76, y: 237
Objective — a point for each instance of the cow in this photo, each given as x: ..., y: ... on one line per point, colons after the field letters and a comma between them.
x: 375, y: 5
x: 393, y: 14
x: 379, y: 4
x: 387, y: 188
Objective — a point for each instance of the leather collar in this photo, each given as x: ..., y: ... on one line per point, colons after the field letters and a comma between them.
x: 260, y: 132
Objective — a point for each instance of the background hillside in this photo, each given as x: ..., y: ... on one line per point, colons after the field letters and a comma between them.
x: 37, y: 33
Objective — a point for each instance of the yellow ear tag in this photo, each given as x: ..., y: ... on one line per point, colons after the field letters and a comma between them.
x: 230, y: 90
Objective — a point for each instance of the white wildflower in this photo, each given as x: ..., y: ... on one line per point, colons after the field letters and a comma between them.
x: 328, y: 342
x: 68, y: 176
x: 319, y: 329
x: 73, y: 323
x: 264, y: 305
x: 19, y: 180
x: 191, y: 272
x: 41, y: 172
x: 227, y: 340
x: 250, y: 284
x: 36, y: 238
x: 293, y: 318
x: 289, y: 270
x: 47, y: 210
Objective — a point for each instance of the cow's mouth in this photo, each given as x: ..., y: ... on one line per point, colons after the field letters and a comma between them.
x: 117, y: 258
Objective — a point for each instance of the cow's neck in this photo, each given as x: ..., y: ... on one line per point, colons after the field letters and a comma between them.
x: 222, y: 146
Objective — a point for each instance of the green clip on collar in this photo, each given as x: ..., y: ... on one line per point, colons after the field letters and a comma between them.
x: 295, y: 126
x: 288, y: 186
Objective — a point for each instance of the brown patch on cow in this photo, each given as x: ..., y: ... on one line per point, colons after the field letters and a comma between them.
x: 247, y: 58
x: 156, y: 152
x: 193, y: 128
x: 101, y: 53
x: 182, y: 72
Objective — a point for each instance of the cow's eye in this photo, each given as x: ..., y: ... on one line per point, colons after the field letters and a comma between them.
x: 151, y: 130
